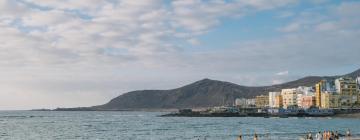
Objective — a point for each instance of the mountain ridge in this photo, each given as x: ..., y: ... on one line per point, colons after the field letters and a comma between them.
x: 202, y: 93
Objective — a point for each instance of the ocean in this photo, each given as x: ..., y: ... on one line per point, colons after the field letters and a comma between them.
x: 38, y: 125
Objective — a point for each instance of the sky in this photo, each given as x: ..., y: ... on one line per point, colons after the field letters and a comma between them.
x: 70, y: 53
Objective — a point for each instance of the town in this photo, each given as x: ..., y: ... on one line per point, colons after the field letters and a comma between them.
x: 326, y: 98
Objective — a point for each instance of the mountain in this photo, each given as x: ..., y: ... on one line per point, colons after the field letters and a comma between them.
x: 203, y: 93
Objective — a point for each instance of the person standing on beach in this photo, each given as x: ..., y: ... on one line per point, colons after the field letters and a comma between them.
x: 255, y: 137
x: 332, y: 136
x: 309, y: 136
x: 337, y: 135
x: 348, y: 134
x: 318, y: 136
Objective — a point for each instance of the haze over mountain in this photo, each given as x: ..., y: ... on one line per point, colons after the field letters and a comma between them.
x: 203, y: 93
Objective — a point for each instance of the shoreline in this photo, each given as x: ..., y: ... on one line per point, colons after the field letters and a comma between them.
x: 173, y: 114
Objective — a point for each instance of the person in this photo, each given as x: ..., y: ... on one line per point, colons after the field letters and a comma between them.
x: 348, y: 134
x: 332, y: 136
x: 318, y: 136
x: 337, y: 137
x: 255, y: 137
x: 324, y: 135
x: 239, y: 137
x: 309, y: 136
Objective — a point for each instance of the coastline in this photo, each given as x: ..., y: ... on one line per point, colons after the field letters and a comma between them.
x: 173, y: 113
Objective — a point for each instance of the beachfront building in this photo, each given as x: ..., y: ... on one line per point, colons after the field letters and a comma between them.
x: 323, y: 86
x: 299, y: 101
x: 289, y: 97
x: 262, y: 101
x: 250, y: 102
x: 305, y: 96
x: 278, y: 101
x: 318, y: 93
x: 306, y: 101
x: 347, y: 88
x: 308, y: 91
x: 330, y: 100
x: 272, y: 98
x: 240, y: 102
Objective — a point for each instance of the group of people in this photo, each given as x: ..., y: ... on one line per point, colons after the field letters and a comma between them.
x: 255, y: 137
x: 328, y: 135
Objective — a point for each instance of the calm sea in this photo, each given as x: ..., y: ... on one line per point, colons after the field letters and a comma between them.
x: 37, y: 125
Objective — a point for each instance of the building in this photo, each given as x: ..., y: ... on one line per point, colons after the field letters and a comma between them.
x: 289, y: 97
x: 299, y: 101
x: 262, y: 101
x: 272, y: 98
x: 250, y: 102
x: 330, y: 100
x: 323, y: 86
x: 308, y: 91
x: 278, y: 101
x: 240, y: 102
x: 304, y: 96
x: 347, y: 88
x: 318, y: 93
x: 306, y: 101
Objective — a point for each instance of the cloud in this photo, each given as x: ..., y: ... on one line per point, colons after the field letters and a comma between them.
x: 285, y: 14
x: 199, y: 16
x: 348, y: 9
x: 291, y: 27
x: 326, y: 26
x: 282, y: 73
x: 194, y: 42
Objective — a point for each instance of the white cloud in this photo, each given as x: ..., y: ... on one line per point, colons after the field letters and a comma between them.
x: 194, y: 41
x: 291, y: 27
x: 200, y: 15
x: 326, y: 26
x: 348, y: 9
x: 282, y: 73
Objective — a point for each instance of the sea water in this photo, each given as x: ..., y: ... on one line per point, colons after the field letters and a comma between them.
x: 37, y: 125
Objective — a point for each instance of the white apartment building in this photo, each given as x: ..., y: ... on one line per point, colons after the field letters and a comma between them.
x: 250, y: 102
x: 272, y: 98
x: 307, y: 91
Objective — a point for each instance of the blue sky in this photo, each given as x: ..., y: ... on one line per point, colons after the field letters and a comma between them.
x: 66, y: 53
